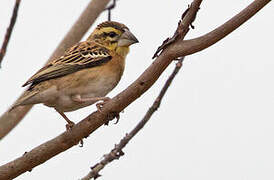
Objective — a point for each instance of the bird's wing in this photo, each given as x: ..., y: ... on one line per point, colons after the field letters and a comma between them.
x: 82, y: 55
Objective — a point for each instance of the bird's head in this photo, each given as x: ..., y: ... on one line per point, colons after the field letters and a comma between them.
x: 114, y: 36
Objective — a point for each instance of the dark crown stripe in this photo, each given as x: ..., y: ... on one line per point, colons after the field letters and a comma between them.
x: 113, y: 24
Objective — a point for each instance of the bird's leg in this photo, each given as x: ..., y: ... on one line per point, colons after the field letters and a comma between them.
x: 70, y: 123
x: 99, y: 105
x: 78, y: 98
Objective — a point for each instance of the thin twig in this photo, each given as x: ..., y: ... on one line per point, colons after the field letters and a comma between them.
x: 117, y: 152
x: 109, y: 8
x: 9, y: 31
x: 178, y: 33
x: 168, y: 40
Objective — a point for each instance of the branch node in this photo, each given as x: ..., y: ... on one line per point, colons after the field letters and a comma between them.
x: 179, y: 33
x: 96, y: 175
x: 93, y: 167
x: 121, y: 153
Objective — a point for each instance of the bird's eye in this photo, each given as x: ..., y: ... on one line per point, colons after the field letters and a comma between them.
x: 112, y: 34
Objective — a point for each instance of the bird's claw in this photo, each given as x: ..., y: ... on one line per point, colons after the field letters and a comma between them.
x: 81, y: 143
x: 101, y: 104
x: 112, y: 116
x: 70, y: 125
x: 117, y: 116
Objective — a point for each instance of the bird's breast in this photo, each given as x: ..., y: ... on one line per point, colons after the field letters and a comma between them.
x: 88, y: 83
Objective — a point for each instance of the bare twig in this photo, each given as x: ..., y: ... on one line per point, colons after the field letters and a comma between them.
x: 88, y: 125
x: 175, y: 36
x: 117, y: 152
x: 109, y: 8
x: 9, y: 30
x: 10, y: 119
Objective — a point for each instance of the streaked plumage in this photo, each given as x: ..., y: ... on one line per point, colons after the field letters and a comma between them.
x: 84, y: 74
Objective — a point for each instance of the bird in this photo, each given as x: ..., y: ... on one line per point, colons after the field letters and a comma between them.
x: 84, y: 74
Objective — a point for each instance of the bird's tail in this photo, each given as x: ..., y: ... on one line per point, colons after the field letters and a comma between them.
x: 24, y: 99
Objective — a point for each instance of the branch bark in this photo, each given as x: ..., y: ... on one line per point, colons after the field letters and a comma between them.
x: 9, y: 30
x: 117, y: 152
x: 70, y: 138
x: 10, y: 119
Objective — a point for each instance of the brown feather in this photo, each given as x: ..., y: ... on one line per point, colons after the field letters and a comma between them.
x: 81, y: 56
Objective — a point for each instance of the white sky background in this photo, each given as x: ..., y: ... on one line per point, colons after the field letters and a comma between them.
x: 216, y: 121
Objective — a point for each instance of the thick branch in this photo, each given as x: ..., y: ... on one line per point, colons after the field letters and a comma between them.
x: 9, y: 31
x: 117, y: 152
x: 69, y: 138
x: 10, y: 119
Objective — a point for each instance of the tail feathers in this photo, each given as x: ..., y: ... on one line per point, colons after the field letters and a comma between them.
x: 24, y: 99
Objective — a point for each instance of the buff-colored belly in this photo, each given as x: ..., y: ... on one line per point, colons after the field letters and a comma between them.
x: 86, y: 86
x: 86, y: 83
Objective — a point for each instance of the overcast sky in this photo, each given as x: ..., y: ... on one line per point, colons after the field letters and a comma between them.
x: 216, y: 121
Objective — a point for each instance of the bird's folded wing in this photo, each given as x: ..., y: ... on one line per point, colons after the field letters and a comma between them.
x: 81, y: 56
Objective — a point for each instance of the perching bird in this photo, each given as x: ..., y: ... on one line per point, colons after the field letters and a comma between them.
x: 84, y: 74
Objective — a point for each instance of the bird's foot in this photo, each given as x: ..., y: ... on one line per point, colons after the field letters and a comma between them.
x: 101, y: 104
x: 112, y: 116
x: 70, y: 125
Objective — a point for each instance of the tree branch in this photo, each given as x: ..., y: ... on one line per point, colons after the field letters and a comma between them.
x: 10, y: 119
x: 82, y: 129
x: 85, y: 127
x: 187, y: 47
x: 9, y: 31
x: 117, y: 152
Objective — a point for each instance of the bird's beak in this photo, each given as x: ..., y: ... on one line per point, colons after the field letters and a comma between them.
x: 127, y: 39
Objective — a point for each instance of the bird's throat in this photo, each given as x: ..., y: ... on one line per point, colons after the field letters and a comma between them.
x: 122, y: 51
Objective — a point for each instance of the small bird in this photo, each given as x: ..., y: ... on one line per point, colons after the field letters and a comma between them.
x: 85, y: 73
